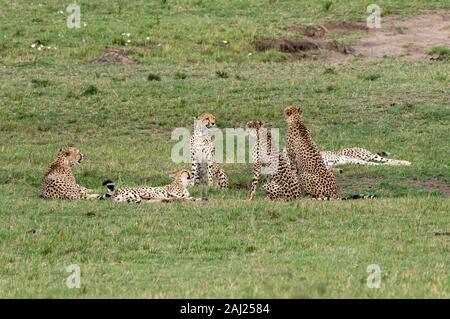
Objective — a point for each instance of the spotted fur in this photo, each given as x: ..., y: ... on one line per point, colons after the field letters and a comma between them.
x: 304, y: 155
x: 205, y: 169
x: 281, y: 182
x: 358, y: 156
x: 177, y: 190
x: 59, y: 182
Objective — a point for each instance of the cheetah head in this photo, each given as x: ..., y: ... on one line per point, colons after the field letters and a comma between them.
x: 252, y: 127
x: 184, y: 177
x: 205, y: 120
x: 292, y: 113
x: 70, y: 156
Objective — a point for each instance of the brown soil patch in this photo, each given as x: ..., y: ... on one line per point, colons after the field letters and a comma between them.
x: 410, y: 38
x: 328, y: 27
x: 116, y: 56
x: 354, y: 184
x: 301, y: 45
x: 442, y: 234
x: 240, y: 185
x: 290, y: 46
x: 431, y: 185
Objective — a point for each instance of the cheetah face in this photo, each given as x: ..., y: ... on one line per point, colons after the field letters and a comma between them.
x: 206, y: 120
x: 70, y: 155
x: 183, y: 176
x: 252, y: 127
x: 292, y: 112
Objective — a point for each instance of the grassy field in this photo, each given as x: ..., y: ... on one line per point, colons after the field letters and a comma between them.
x: 225, y: 247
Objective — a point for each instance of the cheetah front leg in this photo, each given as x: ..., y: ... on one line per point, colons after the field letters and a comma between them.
x: 180, y: 199
x: 292, y: 162
x: 86, y: 190
x: 86, y: 193
x: 194, y: 199
x: 75, y: 191
x: 90, y: 195
x: 157, y: 200
x: 211, y: 173
x: 223, y: 179
x: 255, y: 181
x: 195, y: 171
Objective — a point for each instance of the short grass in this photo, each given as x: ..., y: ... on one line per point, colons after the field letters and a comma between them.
x: 443, y: 51
x: 122, y: 118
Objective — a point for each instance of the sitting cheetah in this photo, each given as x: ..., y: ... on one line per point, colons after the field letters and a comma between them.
x: 59, y: 182
x: 282, y: 183
x: 357, y: 155
x: 304, y: 155
x: 176, y: 190
x: 204, y: 167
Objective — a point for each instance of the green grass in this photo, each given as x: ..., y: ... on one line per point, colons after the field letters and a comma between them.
x: 440, y: 51
x: 122, y: 117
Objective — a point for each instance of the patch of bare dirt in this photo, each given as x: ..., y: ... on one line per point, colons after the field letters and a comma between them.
x: 410, y: 38
x: 328, y: 27
x: 431, y: 185
x: 240, y: 185
x: 354, y: 184
x: 301, y: 45
x: 290, y: 46
x: 115, y: 56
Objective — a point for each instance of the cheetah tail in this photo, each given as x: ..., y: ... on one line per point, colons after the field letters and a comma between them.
x: 110, y: 187
x: 359, y: 196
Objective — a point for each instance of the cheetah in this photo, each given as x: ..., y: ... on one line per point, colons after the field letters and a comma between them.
x: 177, y: 190
x: 281, y: 182
x: 304, y: 155
x: 204, y: 167
x: 360, y: 156
x: 59, y: 182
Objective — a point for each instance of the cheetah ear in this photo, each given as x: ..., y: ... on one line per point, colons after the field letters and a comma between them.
x: 300, y: 111
x: 60, y: 150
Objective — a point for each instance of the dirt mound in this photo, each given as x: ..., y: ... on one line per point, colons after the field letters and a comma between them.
x: 345, y: 27
x: 117, y: 56
x: 289, y: 46
x: 300, y: 45
x: 328, y: 27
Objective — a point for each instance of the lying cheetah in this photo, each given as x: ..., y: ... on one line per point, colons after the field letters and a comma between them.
x: 178, y: 189
x: 204, y: 167
x: 281, y: 182
x: 59, y: 182
x: 357, y: 155
x: 304, y: 155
